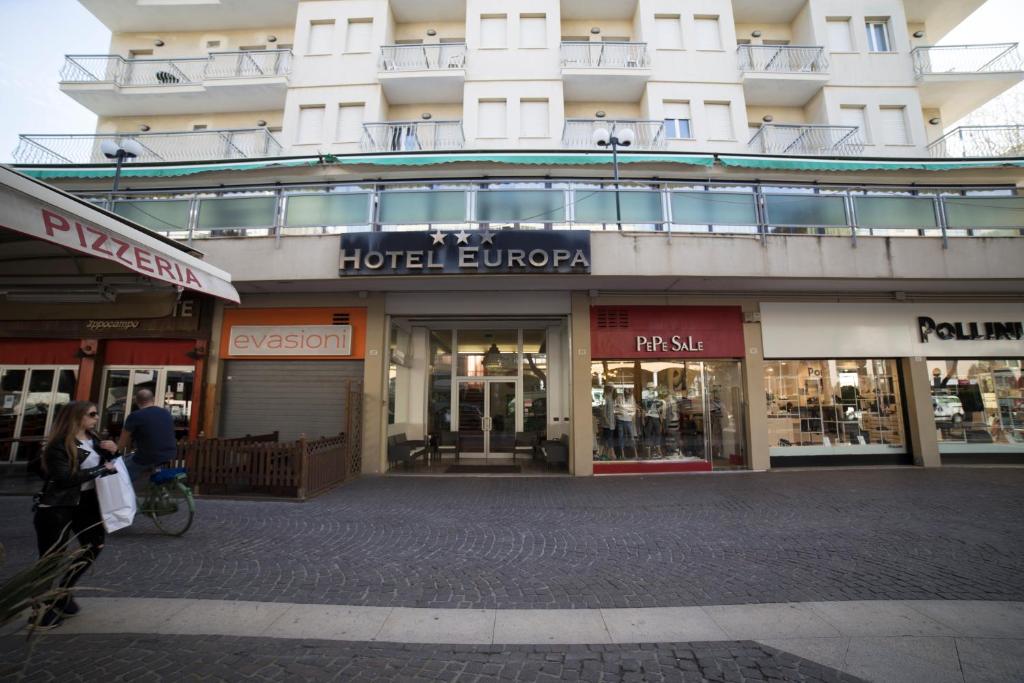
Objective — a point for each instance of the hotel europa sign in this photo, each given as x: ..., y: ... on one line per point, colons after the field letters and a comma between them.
x: 465, y: 252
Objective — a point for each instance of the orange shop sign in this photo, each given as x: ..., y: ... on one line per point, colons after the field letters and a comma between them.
x: 313, y: 333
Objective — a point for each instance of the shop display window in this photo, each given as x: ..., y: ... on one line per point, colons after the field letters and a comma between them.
x: 171, y: 386
x: 672, y: 410
x: 978, y: 405
x: 833, y: 407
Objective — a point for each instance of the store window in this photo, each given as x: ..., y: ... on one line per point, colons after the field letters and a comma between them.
x: 439, y: 417
x: 833, y: 407
x: 535, y: 381
x: 978, y: 405
x: 171, y: 387
x: 671, y: 410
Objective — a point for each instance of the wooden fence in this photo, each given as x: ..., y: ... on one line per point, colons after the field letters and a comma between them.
x: 260, y: 465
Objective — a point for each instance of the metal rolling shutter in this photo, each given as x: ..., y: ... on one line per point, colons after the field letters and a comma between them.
x: 291, y: 397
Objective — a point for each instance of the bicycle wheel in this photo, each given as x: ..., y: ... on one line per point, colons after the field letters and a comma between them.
x: 173, y: 508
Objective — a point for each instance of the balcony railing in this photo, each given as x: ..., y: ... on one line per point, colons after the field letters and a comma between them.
x: 807, y: 140
x: 578, y: 133
x: 412, y: 136
x: 605, y: 55
x: 980, y: 141
x: 798, y: 59
x: 186, y: 71
x: 433, y: 57
x: 966, y: 59
x: 203, y: 145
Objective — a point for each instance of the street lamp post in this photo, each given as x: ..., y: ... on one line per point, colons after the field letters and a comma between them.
x: 604, y: 138
x: 126, y: 149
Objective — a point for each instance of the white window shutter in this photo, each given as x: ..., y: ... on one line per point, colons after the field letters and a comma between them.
x: 719, y: 121
x: 492, y: 122
x: 321, y: 34
x: 494, y: 32
x: 360, y: 35
x: 839, y: 39
x: 676, y: 110
x: 311, y: 124
x: 670, y: 33
x: 350, y: 122
x: 894, y: 126
x: 854, y: 116
x: 709, y: 37
x: 533, y: 31
x: 533, y: 118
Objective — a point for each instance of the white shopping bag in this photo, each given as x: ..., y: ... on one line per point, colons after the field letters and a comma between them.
x: 117, y: 498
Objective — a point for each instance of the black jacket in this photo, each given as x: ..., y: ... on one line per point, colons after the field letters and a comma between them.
x: 62, y: 487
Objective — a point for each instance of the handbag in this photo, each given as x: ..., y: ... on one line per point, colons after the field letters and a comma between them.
x: 117, y: 498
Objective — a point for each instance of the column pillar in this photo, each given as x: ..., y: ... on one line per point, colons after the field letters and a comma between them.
x: 210, y: 423
x: 753, y: 389
x: 581, y: 460
x: 375, y: 400
x: 920, y: 428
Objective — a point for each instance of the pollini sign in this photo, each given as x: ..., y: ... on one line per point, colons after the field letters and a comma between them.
x: 465, y: 252
x: 968, y: 331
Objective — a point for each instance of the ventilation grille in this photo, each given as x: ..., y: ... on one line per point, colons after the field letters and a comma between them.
x: 612, y: 318
x: 340, y: 319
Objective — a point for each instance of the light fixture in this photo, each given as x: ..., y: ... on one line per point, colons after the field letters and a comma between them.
x: 615, y: 138
x: 158, y: 42
x: 935, y: 120
x: 271, y: 39
x: 426, y: 116
x: 100, y: 295
x: 261, y: 123
x: 431, y: 32
x: 767, y: 118
x: 119, y: 151
x: 599, y: 113
x: 492, y: 357
x: 755, y: 34
x: 919, y: 34
x: 144, y: 127
x: 595, y: 30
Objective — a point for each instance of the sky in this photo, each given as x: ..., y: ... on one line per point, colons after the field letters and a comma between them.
x: 41, y: 32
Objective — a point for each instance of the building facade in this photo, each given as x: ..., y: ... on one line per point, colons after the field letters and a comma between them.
x: 789, y: 257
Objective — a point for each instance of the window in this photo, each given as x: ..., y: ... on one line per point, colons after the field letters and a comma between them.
x: 894, y: 126
x: 311, y: 124
x: 854, y: 116
x: 533, y: 30
x: 321, y: 34
x: 677, y: 121
x: 719, y: 120
x: 350, y: 122
x: 533, y: 119
x: 839, y: 39
x: 708, y: 35
x: 494, y: 31
x: 878, y: 35
x: 359, y: 36
x: 492, y: 122
x: 669, y: 31
x: 978, y: 405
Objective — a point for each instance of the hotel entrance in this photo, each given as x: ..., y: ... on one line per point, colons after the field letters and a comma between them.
x: 487, y: 417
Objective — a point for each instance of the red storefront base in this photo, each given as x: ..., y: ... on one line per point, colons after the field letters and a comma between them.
x: 649, y: 467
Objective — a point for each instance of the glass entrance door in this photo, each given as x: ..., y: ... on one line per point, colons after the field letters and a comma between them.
x: 487, y: 417
x: 171, y: 387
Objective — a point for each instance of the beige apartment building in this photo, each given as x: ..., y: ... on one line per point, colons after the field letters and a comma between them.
x: 555, y: 235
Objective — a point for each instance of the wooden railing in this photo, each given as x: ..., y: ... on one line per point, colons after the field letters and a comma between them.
x: 260, y: 465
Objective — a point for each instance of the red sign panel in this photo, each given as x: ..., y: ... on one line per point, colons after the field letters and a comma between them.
x: 631, y: 332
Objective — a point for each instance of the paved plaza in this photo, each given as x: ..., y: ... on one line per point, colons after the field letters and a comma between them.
x: 881, y: 574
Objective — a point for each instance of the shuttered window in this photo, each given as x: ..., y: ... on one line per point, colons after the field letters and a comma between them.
x: 360, y: 35
x: 894, y: 126
x: 839, y: 39
x: 350, y: 122
x: 669, y: 32
x: 494, y: 31
x: 709, y: 37
x: 321, y: 33
x: 533, y: 118
x: 493, y: 120
x: 533, y: 30
x: 719, y: 120
x: 311, y: 124
x: 854, y: 116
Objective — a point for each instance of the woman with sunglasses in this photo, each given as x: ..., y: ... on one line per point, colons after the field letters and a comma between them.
x: 67, y: 504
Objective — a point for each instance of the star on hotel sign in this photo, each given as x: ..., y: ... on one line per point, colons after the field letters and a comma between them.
x: 438, y: 237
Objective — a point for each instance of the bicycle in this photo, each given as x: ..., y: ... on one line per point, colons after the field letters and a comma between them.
x: 168, y: 501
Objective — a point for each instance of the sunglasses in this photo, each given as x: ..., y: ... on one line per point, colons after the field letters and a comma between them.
x: 92, y: 414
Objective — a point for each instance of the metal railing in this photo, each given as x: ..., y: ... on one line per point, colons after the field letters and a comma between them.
x: 966, y: 59
x: 604, y: 55
x: 578, y: 133
x: 410, y: 136
x: 980, y: 141
x: 185, y: 71
x: 423, y: 57
x: 179, y: 146
x: 799, y: 59
x: 810, y: 140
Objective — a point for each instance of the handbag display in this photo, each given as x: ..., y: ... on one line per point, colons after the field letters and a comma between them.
x: 117, y: 498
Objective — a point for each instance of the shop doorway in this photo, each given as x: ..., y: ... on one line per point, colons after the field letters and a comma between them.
x: 487, y: 417
x: 30, y: 397
x: 171, y: 387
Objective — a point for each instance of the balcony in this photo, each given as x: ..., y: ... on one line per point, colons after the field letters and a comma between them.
x: 980, y: 141
x: 781, y: 75
x: 127, y: 16
x: 604, y: 71
x: 206, y: 145
x: 578, y: 133
x: 807, y: 140
x: 412, y: 136
x: 957, y: 79
x: 111, y: 85
x: 428, y: 74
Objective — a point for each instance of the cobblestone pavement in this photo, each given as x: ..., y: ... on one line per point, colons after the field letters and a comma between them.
x: 587, y: 543
x: 180, y: 658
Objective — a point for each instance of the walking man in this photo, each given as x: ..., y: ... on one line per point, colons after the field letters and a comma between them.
x: 150, y: 430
